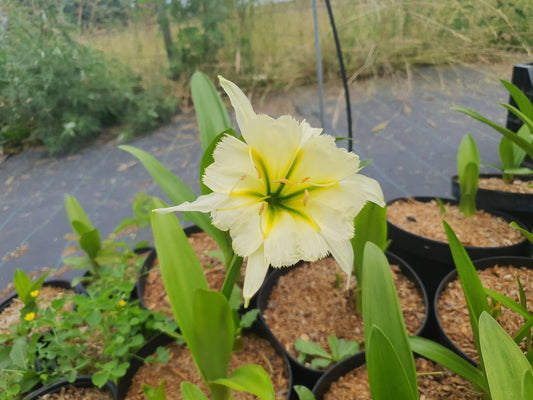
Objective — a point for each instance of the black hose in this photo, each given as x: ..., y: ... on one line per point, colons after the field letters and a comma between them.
x: 343, y: 74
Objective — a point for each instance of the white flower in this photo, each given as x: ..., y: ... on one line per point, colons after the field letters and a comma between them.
x: 286, y: 193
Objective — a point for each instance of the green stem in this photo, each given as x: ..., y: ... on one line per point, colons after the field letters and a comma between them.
x: 233, y: 272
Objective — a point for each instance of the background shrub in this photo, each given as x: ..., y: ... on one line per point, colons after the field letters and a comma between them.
x: 59, y: 92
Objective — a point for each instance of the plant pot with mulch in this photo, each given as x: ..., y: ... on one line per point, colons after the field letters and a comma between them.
x: 309, y: 301
x: 514, y: 198
x: 51, y: 290
x: 81, y: 388
x: 258, y: 348
x: 417, y: 235
x: 348, y: 380
x: 496, y: 273
x: 150, y: 288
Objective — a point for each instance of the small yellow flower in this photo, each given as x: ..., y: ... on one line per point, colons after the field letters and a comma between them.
x: 121, y: 303
x: 30, y: 316
x: 34, y: 293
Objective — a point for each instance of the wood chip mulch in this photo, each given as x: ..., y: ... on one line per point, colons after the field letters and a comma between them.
x: 425, y: 219
x: 181, y: 368
x: 516, y: 186
x: 434, y: 383
x: 310, y: 303
x: 453, y: 312
x: 74, y: 393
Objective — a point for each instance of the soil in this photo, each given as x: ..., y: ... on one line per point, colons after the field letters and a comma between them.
x: 11, y: 314
x: 434, y: 383
x: 181, y: 368
x: 425, y: 219
x: 453, y: 312
x: 155, y: 297
x: 516, y: 186
x: 74, y: 393
x: 310, y: 303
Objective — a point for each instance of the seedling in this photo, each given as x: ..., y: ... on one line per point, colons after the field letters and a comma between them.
x: 320, y: 358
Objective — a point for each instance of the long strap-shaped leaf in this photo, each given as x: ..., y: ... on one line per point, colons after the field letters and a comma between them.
x: 181, y: 271
x: 505, y: 364
x: 476, y: 299
x: 523, y: 102
x: 524, y: 144
x: 211, y: 112
x: 178, y: 192
x: 381, y: 309
x: 447, y: 358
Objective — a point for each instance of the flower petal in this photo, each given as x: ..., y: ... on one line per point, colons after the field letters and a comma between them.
x: 243, y: 109
x: 281, y: 243
x: 230, y: 167
x: 342, y: 251
x: 206, y: 203
x: 256, y: 269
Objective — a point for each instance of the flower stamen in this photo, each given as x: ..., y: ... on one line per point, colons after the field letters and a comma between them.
x: 306, y: 197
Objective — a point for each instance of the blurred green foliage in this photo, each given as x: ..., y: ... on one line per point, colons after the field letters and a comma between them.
x: 58, y: 92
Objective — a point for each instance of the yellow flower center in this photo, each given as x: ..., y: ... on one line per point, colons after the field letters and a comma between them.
x: 34, y: 293
x: 29, y: 317
x: 121, y: 303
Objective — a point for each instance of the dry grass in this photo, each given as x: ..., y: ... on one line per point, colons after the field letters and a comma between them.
x: 378, y: 36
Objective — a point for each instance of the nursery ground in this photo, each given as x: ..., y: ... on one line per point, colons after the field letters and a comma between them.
x: 402, y: 122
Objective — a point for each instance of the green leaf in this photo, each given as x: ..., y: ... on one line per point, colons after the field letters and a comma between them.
x: 178, y: 192
x: 90, y: 243
x: 509, y: 303
x: 100, y: 378
x: 387, y: 376
x: 476, y: 300
x: 213, y: 334
x: 528, y: 235
x: 468, y: 172
x: 159, y: 392
x: 249, y: 318
x: 524, y: 144
x: 384, y: 311
x: 311, y: 349
x: 527, y: 386
x: 22, y: 285
x: 94, y: 317
x: 18, y: 352
x: 211, y: 112
x: 505, y: 364
x: 304, y: 393
x: 447, y: 358
x: 190, y: 391
x: 521, y: 100
x: 76, y: 213
x: 207, y: 157
x: 250, y: 378
x: 347, y: 348
x: 181, y: 271
x: 370, y: 225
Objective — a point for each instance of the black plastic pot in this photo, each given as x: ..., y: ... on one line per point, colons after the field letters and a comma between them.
x: 523, y: 79
x: 332, y: 375
x: 83, y: 381
x: 150, y: 347
x: 518, y: 205
x: 304, y: 375
x: 480, y: 264
x: 432, y: 260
